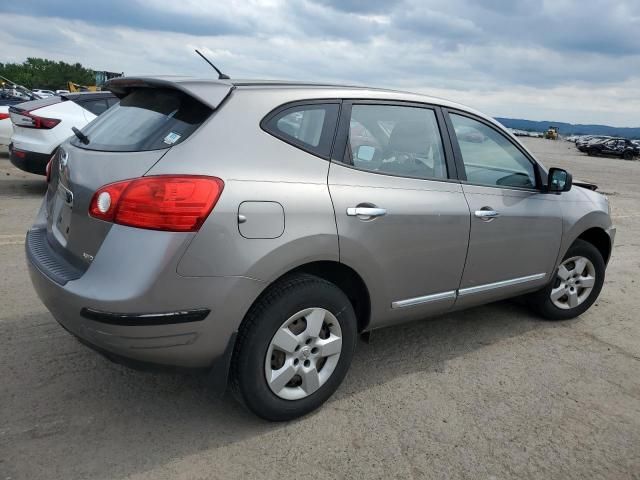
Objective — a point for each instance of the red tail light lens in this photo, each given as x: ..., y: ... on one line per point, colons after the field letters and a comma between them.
x: 4, y: 116
x: 170, y: 203
x: 29, y: 120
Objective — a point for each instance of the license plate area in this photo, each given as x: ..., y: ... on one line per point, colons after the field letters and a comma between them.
x: 61, y: 213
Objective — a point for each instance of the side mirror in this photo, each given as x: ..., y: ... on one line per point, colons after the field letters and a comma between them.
x: 365, y: 152
x: 559, y: 180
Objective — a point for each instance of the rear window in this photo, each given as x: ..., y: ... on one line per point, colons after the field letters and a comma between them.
x: 145, y: 119
x: 97, y: 107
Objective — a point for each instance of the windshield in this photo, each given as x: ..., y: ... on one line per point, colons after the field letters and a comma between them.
x: 145, y: 119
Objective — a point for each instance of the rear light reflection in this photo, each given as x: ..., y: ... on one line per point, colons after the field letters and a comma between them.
x: 47, y: 170
x: 170, y: 203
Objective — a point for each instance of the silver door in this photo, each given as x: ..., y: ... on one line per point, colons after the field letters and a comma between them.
x: 401, y: 224
x: 516, y: 229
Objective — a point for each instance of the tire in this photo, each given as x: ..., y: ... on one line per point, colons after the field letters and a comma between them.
x: 542, y: 302
x: 627, y: 155
x: 592, y: 152
x: 287, y: 301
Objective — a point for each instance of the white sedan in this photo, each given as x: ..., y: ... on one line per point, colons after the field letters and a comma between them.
x: 40, y: 126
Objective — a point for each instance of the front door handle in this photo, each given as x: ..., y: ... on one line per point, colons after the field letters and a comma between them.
x: 486, y: 215
x: 366, y: 212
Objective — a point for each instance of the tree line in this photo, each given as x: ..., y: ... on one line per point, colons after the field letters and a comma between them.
x: 46, y: 74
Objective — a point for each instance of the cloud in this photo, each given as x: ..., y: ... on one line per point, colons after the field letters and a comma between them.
x: 517, y: 58
x: 136, y: 14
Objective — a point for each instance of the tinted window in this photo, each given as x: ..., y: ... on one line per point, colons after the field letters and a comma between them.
x: 395, y: 140
x: 145, y: 119
x: 310, y: 127
x: 97, y: 107
x: 489, y: 157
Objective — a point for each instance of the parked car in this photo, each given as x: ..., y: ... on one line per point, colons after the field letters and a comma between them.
x: 8, y: 97
x: 235, y: 227
x: 43, y: 93
x: 584, y: 143
x: 5, y: 125
x: 617, y: 147
x: 40, y: 126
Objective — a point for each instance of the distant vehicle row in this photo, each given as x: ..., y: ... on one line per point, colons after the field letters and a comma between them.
x: 597, y: 145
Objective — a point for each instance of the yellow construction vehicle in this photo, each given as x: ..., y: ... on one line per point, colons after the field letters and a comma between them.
x: 101, y: 79
x: 551, y: 133
x: 74, y: 87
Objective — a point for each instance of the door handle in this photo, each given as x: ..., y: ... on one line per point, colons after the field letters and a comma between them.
x: 366, y: 212
x: 486, y: 215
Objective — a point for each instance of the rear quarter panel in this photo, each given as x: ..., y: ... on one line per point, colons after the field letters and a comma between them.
x: 255, y: 166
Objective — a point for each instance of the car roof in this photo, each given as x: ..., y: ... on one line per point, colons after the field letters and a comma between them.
x: 306, y: 89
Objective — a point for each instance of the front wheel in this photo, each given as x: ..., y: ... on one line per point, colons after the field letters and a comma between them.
x: 294, y: 348
x: 576, y: 284
x: 628, y: 155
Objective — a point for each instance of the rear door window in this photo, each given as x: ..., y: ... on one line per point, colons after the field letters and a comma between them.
x: 309, y: 127
x: 396, y: 140
x: 145, y: 119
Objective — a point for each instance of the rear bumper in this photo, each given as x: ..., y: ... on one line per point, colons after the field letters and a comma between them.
x: 31, y: 162
x: 128, y: 307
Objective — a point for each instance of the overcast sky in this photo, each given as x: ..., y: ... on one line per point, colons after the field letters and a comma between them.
x: 576, y: 61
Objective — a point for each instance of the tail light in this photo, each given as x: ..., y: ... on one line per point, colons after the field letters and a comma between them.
x: 4, y: 116
x: 22, y: 118
x: 166, y: 202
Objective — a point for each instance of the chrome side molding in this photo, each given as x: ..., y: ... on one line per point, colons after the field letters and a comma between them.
x: 502, y: 284
x: 453, y: 294
x: 409, y: 302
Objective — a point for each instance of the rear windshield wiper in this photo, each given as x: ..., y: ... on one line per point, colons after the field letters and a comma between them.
x: 83, y: 138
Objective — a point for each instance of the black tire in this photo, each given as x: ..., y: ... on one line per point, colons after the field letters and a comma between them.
x: 281, y: 301
x: 592, y: 152
x: 628, y: 155
x: 540, y: 301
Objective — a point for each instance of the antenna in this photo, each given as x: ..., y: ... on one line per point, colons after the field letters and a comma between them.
x: 221, y: 76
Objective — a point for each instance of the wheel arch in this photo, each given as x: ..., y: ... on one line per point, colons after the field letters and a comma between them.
x: 347, y: 280
x: 341, y: 275
x: 599, y: 238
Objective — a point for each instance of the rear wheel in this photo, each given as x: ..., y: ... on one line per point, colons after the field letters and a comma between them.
x: 294, y: 348
x: 575, y: 286
x: 592, y: 151
x: 628, y: 155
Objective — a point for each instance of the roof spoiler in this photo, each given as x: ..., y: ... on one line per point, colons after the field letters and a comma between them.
x: 210, y: 92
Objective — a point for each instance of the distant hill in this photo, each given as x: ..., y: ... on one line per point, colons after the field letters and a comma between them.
x: 569, y: 128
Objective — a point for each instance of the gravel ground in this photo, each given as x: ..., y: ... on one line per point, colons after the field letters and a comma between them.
x: 492, y: 392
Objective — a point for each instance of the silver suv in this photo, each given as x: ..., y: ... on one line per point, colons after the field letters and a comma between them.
x: 254, y: 229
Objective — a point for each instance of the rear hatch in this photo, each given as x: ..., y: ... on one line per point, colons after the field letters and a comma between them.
x: 123, y: 143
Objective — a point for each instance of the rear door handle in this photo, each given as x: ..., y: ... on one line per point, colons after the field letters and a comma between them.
x: 366, y: 212
x: 486, y: 214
